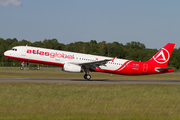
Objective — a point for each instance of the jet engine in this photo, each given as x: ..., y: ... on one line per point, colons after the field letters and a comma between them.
x: 72, y: 68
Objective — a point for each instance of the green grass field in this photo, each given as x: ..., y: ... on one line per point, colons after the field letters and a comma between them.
x: 87, y: 101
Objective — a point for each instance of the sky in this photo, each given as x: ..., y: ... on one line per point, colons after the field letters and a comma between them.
x: 151, y: 22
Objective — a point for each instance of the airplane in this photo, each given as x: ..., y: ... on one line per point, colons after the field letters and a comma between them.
x: 78, y: 62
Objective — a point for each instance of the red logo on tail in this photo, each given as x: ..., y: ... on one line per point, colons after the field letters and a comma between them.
x: 162, y: 57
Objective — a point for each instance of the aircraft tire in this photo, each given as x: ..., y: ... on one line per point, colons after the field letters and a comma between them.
x: 87, y: 76
x: 21, y: 68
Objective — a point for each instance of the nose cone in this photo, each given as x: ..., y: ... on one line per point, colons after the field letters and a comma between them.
x: 6, y: 53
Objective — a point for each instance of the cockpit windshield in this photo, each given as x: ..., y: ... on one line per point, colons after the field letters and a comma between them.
x: 14, y: 49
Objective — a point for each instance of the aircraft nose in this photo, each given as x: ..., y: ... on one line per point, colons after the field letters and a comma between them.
x: 6, y: 53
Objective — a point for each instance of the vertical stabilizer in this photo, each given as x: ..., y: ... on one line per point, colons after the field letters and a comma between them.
x: 161, y: 58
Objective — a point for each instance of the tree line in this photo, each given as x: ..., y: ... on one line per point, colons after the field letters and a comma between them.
x: 131, y: 50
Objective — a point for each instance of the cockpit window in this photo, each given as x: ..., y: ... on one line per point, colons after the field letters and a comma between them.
x: 14, y: 49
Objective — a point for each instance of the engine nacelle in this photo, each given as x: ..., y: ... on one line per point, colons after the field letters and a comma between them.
x: 72, y: 68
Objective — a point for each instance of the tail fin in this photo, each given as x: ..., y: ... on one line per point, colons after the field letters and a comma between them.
x: 162, y: 57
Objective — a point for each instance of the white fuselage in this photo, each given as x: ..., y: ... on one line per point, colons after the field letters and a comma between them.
x: 58, y: 57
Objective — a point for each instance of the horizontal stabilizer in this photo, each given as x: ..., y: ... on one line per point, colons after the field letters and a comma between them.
x: 165, y: 69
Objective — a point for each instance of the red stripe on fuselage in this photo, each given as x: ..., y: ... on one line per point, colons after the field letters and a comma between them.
x: 130, y: 67
x: 124, y: 65
x: 36, y: 61
x: 133, y: 68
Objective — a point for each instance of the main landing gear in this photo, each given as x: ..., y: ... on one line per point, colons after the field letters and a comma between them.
x: 87, y: 76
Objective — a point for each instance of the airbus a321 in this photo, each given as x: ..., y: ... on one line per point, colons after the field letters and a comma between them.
x: 78, y: 62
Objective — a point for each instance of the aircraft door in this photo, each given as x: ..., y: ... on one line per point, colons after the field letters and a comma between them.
x: 145, y: 68
x: 24, y: 49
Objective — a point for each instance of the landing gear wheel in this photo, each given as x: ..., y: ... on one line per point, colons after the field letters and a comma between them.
x: 21, y: 68
x: 87, y: 76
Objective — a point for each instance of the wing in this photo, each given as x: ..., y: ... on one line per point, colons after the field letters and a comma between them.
x: 98, y: 63
x: 93, y: 65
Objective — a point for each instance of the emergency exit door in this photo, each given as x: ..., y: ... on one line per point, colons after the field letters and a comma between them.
x: 24, y: 49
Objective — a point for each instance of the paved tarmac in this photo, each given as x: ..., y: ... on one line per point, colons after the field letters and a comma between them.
x: 92, y: 81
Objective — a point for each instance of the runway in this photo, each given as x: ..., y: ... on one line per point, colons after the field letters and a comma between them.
x: 93, y: 81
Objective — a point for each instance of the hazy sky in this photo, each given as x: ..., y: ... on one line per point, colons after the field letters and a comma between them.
x: 151, y: 22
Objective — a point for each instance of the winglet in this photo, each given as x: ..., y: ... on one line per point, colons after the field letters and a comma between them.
x: 112, y: 59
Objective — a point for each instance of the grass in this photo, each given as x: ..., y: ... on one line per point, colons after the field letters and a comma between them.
x: 89, y: 101
x: 21, y: 100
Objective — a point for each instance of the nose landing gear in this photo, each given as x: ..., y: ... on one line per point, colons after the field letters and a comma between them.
x: 22, y: 65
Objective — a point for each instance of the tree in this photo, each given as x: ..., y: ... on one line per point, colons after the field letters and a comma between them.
x: 24, y: 42
x: 93, y: 47
x: 175, y: 59
x: 51, y: 44
x: 102, y: 48
x: 134, y: 51
x: 117, y: 50
x: 37, y: 44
